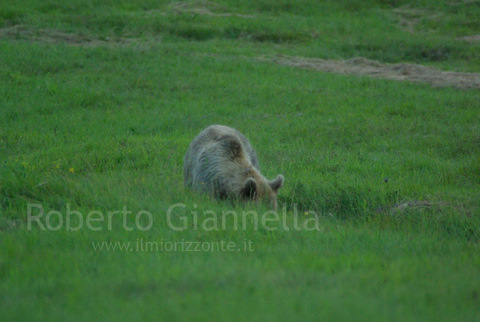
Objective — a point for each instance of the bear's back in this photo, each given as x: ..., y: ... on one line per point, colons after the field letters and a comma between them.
x: 215, y: 134
x: 209, y: 148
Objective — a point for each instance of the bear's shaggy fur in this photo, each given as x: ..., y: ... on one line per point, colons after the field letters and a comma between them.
x: 221, y: 162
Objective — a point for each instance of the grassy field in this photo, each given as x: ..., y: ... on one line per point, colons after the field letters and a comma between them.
x: 100, y: 100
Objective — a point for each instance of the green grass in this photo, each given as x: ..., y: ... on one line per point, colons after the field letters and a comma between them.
x: 100, y: 100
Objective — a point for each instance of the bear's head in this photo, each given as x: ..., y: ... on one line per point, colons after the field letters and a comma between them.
x: 259, y: 189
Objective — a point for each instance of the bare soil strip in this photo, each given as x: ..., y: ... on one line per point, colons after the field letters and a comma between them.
x: 374, y: 69
x: 206, y: 8
x: 409, y: 18
x: 473, y: 38
x: 22, y: 32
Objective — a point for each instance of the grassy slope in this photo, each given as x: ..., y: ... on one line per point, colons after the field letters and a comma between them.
x: 120, y: 100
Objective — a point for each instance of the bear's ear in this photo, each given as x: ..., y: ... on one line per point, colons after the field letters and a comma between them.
x: 231, y: 147
x: 249, y: 189
x: 277, y: 183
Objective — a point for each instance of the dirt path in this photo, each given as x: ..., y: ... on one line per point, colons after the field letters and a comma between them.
x: 371, y: 68
x: 21, y: 32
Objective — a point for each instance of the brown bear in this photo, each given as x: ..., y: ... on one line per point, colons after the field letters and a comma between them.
x: 221, y: 162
